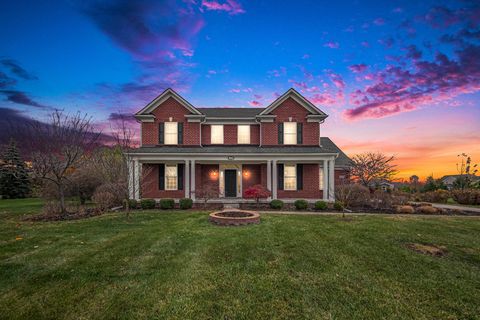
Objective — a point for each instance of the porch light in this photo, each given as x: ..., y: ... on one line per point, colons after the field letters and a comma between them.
x: 213, y: 174
x: 246, y: 173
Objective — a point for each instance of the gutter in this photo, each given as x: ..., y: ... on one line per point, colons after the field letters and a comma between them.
x: 200, y: 135
x: 260, y: 129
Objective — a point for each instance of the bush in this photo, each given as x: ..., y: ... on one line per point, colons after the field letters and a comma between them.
x: 104, y: 200
x: 405, y: 209
x: 427, y: 210
x: 352, y: 195
x: 132, y: 203
x: 467, y: 196
x: 147, y: 204
x: 301, y: 204
x: 166, y: 204
x: 338, y: 205
x: 381, y: 200
x: 437, y: 196
x: 115, y: 197
x: 276, y: 204
x: 186, y: 203
x: 321, y: 205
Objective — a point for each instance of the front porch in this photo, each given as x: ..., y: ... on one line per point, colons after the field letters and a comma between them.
x: 229, y: 176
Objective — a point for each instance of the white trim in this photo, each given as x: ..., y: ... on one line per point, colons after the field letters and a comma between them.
x: 295, y: 166
x: 176, y: 177
x: 292, y: 93
x: 162, y: 98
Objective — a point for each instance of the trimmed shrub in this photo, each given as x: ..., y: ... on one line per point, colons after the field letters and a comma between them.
x: 338, y: 205
x: 108, y: 195
x: 405, y: 209
x: 276, y: 204
x: 166, y: 204
x: 437, y: 196
x: 186, y: 203
x: 147, y: 204
x: 132, y: 203
x: 467, y: 196
x: 352, y: 195
x: 427, y: 210
x: 321, y: 205
x: 301, y: 204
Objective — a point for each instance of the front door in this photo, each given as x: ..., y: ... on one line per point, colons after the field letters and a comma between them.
x: 230, y: 183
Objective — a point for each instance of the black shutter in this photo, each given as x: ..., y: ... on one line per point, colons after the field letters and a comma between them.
x: 280, y: 176
x: 180, y: 133
x: 299, y: 176
x: 280, y: 133
x: 161, y: 176
x: 161, y: 133
x: 180, y: 174
x: 299, y: 133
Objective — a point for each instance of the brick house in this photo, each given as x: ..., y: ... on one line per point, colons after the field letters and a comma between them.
x: 184, y: 148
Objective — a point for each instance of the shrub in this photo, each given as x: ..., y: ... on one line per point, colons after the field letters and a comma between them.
x: 147, y: 204
x: 276, y: 204
x: 104, y: 200
x: 301, y: 204
x: 321, y: 205
x: 437, y: 196
x: 257, y: 192
x: 186, y: 203
x: 132, y: 203
x: 352, y: 195
x: 338, y: 205
x: 115, y: 198
x: 427, y: 210
x: 405, y: 209
x: 467, y: 196
x: 381, y: 200
x: 166, y: 204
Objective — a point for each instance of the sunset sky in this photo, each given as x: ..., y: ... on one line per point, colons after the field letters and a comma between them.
x: 399, y: 77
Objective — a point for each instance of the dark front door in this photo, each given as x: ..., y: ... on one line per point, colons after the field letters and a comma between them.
x: 230, y: 183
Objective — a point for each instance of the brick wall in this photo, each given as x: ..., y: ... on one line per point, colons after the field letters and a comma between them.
x: 255, y: 134
x: 251, y: 175
x: 310, y: 185
x: 290, y: 108
x: 230, y: 134
x: 149, y: 184
x: 204, y: 175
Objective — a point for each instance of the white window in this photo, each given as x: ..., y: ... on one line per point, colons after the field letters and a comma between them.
x: 171, y: 176
x: 216, y: 134
x: 171, y: 133
x: 289, y: 177
x: 320, y: 178
x: 243, y: 134
x: 289, y: 133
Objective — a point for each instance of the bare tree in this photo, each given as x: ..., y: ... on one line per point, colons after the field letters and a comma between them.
x: 206, y: 192
x: 367, y: 168
x: 59, y: 147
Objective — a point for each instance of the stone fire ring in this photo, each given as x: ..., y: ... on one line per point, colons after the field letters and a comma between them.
x: 234, y: 217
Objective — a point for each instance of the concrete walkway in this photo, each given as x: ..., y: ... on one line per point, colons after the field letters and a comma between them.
x: 456, y: 207
x: 323, y: 213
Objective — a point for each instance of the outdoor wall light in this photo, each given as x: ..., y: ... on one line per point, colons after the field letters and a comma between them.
x: 214, y: 174
x: 246, y: 173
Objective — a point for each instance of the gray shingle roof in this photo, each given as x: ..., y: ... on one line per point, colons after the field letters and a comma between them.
x: 327, y: 147
x: 230, y: 112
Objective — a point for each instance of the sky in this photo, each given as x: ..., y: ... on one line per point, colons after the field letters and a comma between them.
x: 397, y: 77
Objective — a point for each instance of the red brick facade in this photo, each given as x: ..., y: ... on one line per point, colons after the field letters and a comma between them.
x: 150, y: 187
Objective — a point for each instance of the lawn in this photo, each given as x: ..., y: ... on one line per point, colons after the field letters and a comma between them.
x: 175, y: 265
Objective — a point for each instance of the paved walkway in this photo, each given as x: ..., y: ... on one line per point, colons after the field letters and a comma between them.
x: 323, y: 213
x: 456, y: 207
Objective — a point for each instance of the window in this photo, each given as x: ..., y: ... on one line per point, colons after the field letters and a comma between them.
x: 320, y: 178
x: 216, y: 134
x: 290, y: 133
x: 243, y: 133
x: 171, y: 133
x: 171, y: 176
x: 289, y: 177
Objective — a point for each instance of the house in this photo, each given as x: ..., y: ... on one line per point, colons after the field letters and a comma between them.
x: 449, y: 180
x: 184, y: 148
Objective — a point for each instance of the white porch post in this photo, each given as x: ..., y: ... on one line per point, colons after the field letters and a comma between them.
x: 325, y: 180
x: 331, y: 180
x: 138, y: 172
x: 269, y: 176
x: 274, y: 182
x: 187, y: 179
x: 192, y: 180
x: 131, y: 181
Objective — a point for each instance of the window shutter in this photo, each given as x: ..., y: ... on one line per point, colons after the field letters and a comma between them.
x: 299, y: 133
x: 161, y: 133
x: 280, y: 133
x: 180, y: 133
x: 299, y: 176
x: 180, y: 173
x: 161, y: 176
x: 280, y: 176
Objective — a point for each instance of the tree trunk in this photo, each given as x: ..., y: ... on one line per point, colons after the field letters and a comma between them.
x: 62, y: 199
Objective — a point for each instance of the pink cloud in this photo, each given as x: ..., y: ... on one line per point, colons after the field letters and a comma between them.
x: 234, y: 90
x: 278, y: 72
x: 230, y: 6
x: 358, y: 68
x: 255, y: 103
x: 332, y: 45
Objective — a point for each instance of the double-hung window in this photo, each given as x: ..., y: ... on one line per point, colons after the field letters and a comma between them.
x: 171, y: 177
x: 289, y: 133
x: 171, y: 132
x: 216, y: 134
x: 243, y: 134
x: 289, y: 177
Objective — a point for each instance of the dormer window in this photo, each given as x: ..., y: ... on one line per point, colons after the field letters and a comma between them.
x: 290, y: 133
x: 216, y: 134
x: 171, y: 132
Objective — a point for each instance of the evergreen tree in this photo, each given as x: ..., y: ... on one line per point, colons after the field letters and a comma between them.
x: 14, y: 180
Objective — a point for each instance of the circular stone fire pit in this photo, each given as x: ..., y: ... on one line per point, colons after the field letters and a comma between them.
x: 234, y: 217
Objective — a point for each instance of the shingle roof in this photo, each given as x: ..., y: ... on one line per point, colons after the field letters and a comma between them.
x: 327, y: 147
x: 230, y: 112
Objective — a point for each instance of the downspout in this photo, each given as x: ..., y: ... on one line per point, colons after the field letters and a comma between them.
x: 260, y: 129
x: 200, y: 135
x: 319, y: 135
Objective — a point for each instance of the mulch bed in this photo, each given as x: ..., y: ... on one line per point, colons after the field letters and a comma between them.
x: 85, y: 214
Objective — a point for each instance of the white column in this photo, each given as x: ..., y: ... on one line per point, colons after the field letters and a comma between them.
x: 275, y: 179
x: 131, y: 181
x: 138, y: 173
x: 192, y: 180
x: 187, y: 179
x: 331, y: 180
x: 325, y: 180
x: 269, y: 176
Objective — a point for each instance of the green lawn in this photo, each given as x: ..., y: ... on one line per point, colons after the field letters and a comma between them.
x: 175, y: 265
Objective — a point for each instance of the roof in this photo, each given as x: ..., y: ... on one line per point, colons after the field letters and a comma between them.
x: 295, y: 95
x: 327, y: 147
x: 456, y: 176
x: 230, y: 112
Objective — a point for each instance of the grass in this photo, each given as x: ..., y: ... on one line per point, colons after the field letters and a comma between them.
x: 175, y: 265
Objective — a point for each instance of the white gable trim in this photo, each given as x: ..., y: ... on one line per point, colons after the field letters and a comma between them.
x: 168, y: 93
x: 292, y: 93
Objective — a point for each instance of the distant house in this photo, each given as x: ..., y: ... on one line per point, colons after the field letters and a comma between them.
x: 449, y: 180
x: 383, y: 185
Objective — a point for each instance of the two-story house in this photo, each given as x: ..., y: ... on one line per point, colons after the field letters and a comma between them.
x: 184, y: 148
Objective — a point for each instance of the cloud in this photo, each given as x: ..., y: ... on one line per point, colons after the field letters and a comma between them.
x: 388, y: 42
x: 255, y: 103
x: 358, y: 68
x: 16, y: 69
x: 379, y: 21
x: 332, y: 45
x: 278, y: 72
x: 20, y: 97
x: 230, y: 6
x: 118, y: 116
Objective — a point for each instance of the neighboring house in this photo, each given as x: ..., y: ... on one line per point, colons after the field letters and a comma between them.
x: 383, y: 185
x: 184, y: 148
x: 449, y: 180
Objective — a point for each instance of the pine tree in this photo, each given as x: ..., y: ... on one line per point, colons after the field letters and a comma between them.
x: 14, y: 179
